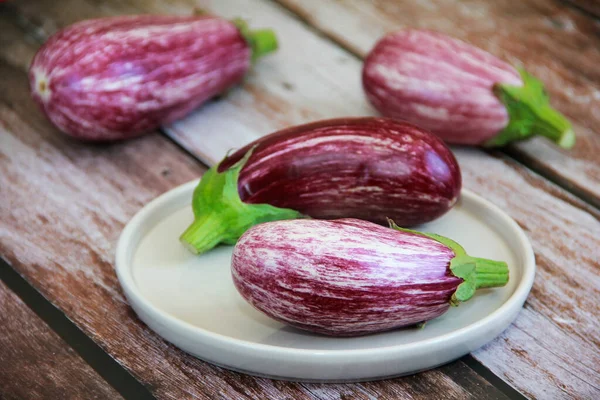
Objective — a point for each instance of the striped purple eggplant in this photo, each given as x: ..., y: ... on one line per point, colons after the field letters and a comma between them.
x: 350, y: 277
x: 367, y: 168
x: 459, y: 92
x: 118, y: 77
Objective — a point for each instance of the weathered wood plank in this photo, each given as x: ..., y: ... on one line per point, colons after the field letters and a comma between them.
x: 322, y: 90
x: 35, y: 363
x: 64, y: 205
x: 328, y: 85
x: 551, y: 39
x: 289, y: 88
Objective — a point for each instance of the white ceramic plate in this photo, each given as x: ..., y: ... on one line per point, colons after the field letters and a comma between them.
x: 191, y: 301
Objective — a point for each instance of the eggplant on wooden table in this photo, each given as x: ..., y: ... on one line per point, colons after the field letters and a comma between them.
x: 461, y: 93
x: 366, y: 168
x: 119, y: 77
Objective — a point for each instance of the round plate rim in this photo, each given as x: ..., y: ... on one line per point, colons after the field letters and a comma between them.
x: 154, y: 206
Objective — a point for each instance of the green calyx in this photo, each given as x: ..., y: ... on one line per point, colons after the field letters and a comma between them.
x: 475, y: 272
x: 261, y: 41
x: 530, y: 114
x: 220, y: 214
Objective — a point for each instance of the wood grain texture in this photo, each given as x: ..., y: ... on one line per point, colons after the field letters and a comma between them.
x: 287, y: 89
x: 275, y: 96
x: 64, y: 205
x: 35, y: 363
x: 553, y: 41
x: 563, y: 234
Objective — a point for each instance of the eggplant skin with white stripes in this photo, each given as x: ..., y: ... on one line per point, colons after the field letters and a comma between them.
x: 459, y: 92
x: 366, y: 168
x: 350, y: 277
x: 118, y: 77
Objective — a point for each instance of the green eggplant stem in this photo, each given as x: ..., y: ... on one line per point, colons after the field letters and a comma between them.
x: 475, y: 272
x: 261, y: 41
x: 220, y: 215
x: 206, y: 232
x: 530, y: 114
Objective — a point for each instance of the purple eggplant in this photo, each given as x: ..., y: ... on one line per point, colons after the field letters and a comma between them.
x: 115, y: 78
x: 366, y: 168
x: 459, y: 92
x: 349, y: 277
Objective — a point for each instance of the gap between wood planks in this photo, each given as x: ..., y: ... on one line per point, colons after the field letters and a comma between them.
x: 107, y: 367
x: 511, y: 151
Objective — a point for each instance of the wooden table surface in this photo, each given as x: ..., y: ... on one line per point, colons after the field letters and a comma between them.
x: 66, y: 330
